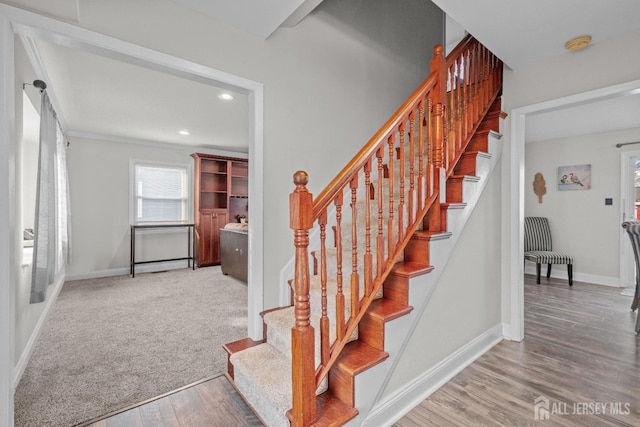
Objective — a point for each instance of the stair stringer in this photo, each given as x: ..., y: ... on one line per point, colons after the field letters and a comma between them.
x: 370, y: 384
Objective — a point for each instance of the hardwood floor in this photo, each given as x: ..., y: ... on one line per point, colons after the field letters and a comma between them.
x: 210, y: 403
x: 580, y: 352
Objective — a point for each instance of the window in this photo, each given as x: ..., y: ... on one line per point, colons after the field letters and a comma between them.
x: 160, y: 192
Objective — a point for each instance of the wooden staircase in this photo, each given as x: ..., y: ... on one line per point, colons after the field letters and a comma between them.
x: 343, y: 330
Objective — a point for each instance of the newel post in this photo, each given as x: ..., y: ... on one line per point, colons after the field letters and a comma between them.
x: 303, y: 412
x: 439, y: 65
x: 438, y: 143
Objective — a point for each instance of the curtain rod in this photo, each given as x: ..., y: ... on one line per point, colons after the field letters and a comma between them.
x: 39, y: 84
x: 626, y: 143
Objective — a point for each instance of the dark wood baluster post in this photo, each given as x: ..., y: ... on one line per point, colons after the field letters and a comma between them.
x: 483, y: 78
x: 324, y: 320
x: 421, y: 163
x: 390, y: 235
x: 355, y: 277
x: 429, y: 142
x: 455, y: 111
x: 412, y: 167
x: 380, y: 236
x: 493, y: 73
x: 340, y: 321
x: 401, y: 158
x: 452, y: 99
x: 303, y: 412
x: 466, y: 94
x: 476, y: 83
x: 368, y: 259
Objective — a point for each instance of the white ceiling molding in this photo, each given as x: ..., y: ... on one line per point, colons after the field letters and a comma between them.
x: 110, y: 47
x: 257, y: 17
x: 623, y: 112
x: 221, y: 151
x: 301, y: 12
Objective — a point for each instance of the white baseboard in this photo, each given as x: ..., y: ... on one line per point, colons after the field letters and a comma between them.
x: 21, y: 365
x: 507, y: 332
x: 143, y: 268
x: 560, y: 272
x: 628, y: 292
x: 398, y: 404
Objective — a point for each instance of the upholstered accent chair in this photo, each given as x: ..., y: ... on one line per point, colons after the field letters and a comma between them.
x: 633, y: 230
x: 538, y: 248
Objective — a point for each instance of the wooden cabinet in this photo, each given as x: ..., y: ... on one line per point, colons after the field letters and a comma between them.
x: 208, y: 235
x: 220, y: 194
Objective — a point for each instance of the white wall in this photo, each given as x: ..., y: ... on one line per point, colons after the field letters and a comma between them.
x: 581, y: 224
x: 466, y: 301
x: 329, y: 84
x: 600, y: 65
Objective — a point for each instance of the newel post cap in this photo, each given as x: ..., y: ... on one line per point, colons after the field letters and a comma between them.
x: 300, y: 203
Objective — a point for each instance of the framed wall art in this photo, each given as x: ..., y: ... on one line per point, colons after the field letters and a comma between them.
x: 574, y: 177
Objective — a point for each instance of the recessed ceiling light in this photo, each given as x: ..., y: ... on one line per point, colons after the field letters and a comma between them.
x: 225, y: 96
x: 578, y: 43
x: 183, y: 132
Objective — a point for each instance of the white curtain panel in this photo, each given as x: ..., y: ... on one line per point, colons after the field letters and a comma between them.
x: 51, y: 243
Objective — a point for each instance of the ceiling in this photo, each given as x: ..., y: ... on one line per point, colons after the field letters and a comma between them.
x: 102, y: 97
x: 138, y: 104
x: 106, y: 99
x: 523, y: 32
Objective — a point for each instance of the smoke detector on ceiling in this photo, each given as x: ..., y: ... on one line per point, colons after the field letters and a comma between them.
x: 578, y: 43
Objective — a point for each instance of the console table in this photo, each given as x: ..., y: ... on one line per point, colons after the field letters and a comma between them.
x: 191, y: 250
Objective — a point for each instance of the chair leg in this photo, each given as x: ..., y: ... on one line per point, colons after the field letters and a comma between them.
x: 636, y: 297
x: 570, y: 271
x: 538, y: 265
x: 548, y: 271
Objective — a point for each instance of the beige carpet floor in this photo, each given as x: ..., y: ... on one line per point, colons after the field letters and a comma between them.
x: 114, y: 342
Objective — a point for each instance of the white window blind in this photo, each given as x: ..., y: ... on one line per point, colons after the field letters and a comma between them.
x: 161, y: 193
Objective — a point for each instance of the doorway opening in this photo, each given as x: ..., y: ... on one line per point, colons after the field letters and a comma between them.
x: 515, y: 331
x: 630, y: 211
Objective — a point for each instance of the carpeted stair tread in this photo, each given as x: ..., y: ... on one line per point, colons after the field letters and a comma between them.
x: 263, y: 376
x: 239, y: 345
x: 235, y: 347
x: 280, y: 322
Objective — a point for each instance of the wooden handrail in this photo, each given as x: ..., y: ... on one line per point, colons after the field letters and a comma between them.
x: 401, y: 168
x: 324, y: 199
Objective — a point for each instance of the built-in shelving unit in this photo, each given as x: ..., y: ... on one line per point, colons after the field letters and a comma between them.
x: 221, y: 186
